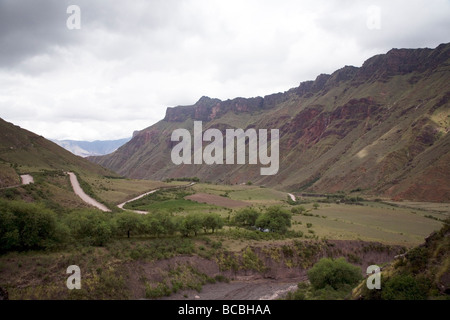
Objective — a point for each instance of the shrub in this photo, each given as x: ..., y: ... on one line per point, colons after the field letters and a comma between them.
x: 212, y: 221
x: 405, y: 287
x: 274, y: 219
x: 417, y: 259
x: 25, y: 226
x: 127, y: 222
x: 246, y: 217
x: 161, y: 290
x: 91, y: 227
x: 192, y: 223
x: 333, y: 273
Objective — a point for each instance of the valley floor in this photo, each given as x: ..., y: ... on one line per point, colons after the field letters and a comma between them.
x: 233, y: 263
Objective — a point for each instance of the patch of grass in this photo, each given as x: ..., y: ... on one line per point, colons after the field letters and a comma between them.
x: 170, y: 200
x: 158, y: 249
x: 183, y: 277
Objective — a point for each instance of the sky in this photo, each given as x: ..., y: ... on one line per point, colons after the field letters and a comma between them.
x: 113, y: 67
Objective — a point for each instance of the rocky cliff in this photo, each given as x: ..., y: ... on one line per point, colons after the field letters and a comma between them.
x: 381, y: 128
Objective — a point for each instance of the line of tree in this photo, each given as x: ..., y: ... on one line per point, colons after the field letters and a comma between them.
x: 31, y: 226
x: 28, y: 226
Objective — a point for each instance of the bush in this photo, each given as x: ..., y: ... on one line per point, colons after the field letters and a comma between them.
x: 298, y: 210
x: 160, y: 223
x: 417, y: 259
x: 192, y: 223
x: 25, y: 226
x: 161, y: 290
x: 91, y: 227
x: 246, y: 217
x: 405, y: 287
x: 334, y: 273
x: 274, y: 219
x: 212, y: 221
x: 127, y: 222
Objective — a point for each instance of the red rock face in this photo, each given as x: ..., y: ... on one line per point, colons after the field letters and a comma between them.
x: 332, y: 136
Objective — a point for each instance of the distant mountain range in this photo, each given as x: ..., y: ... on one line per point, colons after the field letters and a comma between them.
x: 94, y: 148
x: 380, y: 129
x: 22, y: 151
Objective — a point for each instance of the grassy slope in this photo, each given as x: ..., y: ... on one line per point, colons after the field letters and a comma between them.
x: 428, y: 263
x: 32, y: 153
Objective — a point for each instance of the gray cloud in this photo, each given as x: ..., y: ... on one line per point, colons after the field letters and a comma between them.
x: 131, y: 60
x: 29, y: 28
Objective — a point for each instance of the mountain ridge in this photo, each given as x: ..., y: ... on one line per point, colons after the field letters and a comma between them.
x: 381, y: 128
x: 91, y: 148
x: 22, y: 151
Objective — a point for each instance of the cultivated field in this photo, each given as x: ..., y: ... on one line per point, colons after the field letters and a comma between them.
x: 369, y: 221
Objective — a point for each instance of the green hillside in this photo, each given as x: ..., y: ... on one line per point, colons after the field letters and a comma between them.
x: 422, y: 273
x: 22, y: 152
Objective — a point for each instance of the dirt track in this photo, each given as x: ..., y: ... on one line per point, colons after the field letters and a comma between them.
x: 120, y: 206
x: 79, y: 192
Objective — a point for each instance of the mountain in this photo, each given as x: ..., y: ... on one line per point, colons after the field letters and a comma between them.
x: 94, y: 148
x: 22, y: 151
x: 381, y: 129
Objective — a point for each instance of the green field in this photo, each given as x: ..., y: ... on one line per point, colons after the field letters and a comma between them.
x: 115, y: 191
x: 371, y: 221
x: 384, y: 224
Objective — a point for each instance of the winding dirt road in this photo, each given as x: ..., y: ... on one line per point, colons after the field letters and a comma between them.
x: 120, y: 206
x: 292, y: 196
x: 79, y: 192
x: 134, y: 199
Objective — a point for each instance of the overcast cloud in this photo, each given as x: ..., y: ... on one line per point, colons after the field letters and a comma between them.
x: 132, y: 59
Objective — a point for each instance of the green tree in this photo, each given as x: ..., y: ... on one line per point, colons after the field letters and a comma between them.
x: 25, y: 226
x: 192, y: 223
x: 126, y: 222
x: 166, y: 221
x: 91, y: 227
x: 152, y: 225
x: 316, y: 205
x: 9, y: 232
x: 212, y: 221
x: 182, y: 226
x: 246, y: 217
x: 333, y: 273
x: 275, y: 219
